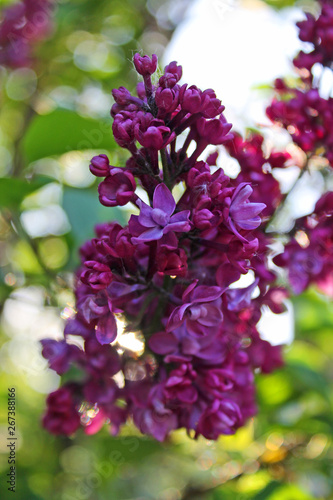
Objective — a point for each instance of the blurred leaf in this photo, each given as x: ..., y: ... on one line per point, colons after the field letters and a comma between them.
x: 290, y: 492
x: 62, y: 131
x: 84, y: 211
x: 24, y: 257
x: 308, y: 379
x: 280, y: 4
x: 313, y: 312
x: 268, y: 490
x: 274, y: 389
x: 54, y: 252
x: 12, y: 191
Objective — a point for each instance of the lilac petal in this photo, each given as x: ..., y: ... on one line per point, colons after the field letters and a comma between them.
x: 176, y: 318
x: 177, y: 358
x: 190, y: 346
x: 239, y: 298
x: 180, y: 216
x: 205, y: 293
x: 163, y: 199
x: 159, y: 217
x: 214, y: 316
x: 188, y: 291
x: 106, y: 330
x: 249, y: 224
x: 134, y: 225
x: 173, y: 380
x: 152, y: 234
x: 178, y: 227
x: 76, y: 327
x: 248, y: 211
x: 194, y: 328
x: 234, y: 230
x: 145, y: 215
x: 212, y: 353
x: 162, y: 343
x: 240, y: 195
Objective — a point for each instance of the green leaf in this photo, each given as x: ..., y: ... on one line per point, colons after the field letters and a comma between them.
x: 13, y: 191
x: 62, y: 131
x: 84, y: 211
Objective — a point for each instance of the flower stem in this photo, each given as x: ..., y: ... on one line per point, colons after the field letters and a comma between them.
x: 166, y: 177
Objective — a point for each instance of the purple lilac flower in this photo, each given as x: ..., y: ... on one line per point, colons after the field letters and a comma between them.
x: 166, y: 275
x: 153, y: 222
x: 242, y: 213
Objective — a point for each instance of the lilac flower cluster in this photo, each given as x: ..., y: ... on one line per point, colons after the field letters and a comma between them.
x: 319, y: 33
x: 23, y: 24
x: 307, y: 115
x: 308, y: 256
x: 166, y: 276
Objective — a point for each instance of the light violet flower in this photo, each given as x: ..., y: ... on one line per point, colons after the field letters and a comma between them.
x: 242, y: 213
x: 153, y: 222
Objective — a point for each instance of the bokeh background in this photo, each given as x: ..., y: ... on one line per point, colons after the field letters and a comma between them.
x: 54, y: 117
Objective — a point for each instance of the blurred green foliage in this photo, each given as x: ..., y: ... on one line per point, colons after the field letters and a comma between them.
x: 52, y: 120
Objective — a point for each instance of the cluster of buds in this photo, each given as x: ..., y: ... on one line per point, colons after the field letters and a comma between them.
x: 167, y: 279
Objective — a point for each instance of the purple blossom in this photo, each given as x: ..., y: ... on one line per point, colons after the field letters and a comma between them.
x: 150, y: 412
x: 96, y: 274
x: 100, y: 166
x: 145, y: 65
x: 242, y: 213
x: 222, y: 417
x: 172, y: 74
x: 117, y: 188
x: 153, y: 222
x: 179, y: 385
x: 61, y: 416
x: 60, y: 354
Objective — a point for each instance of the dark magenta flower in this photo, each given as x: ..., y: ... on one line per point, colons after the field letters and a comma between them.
x: 170, y: 259
x: 153, y: 222
x: 100, y: 166
x: 60, y: 354
x: 166, y: 100
x: 61, y: 416
x: 145, y: 65
x: 96, y: 275
x: 222, y: 417
x: 155, y: 136
x: 150, y: 413
x: 117, y: 188
x: 179, y: 385
x: 172, y: 75
x: 215, y: 131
